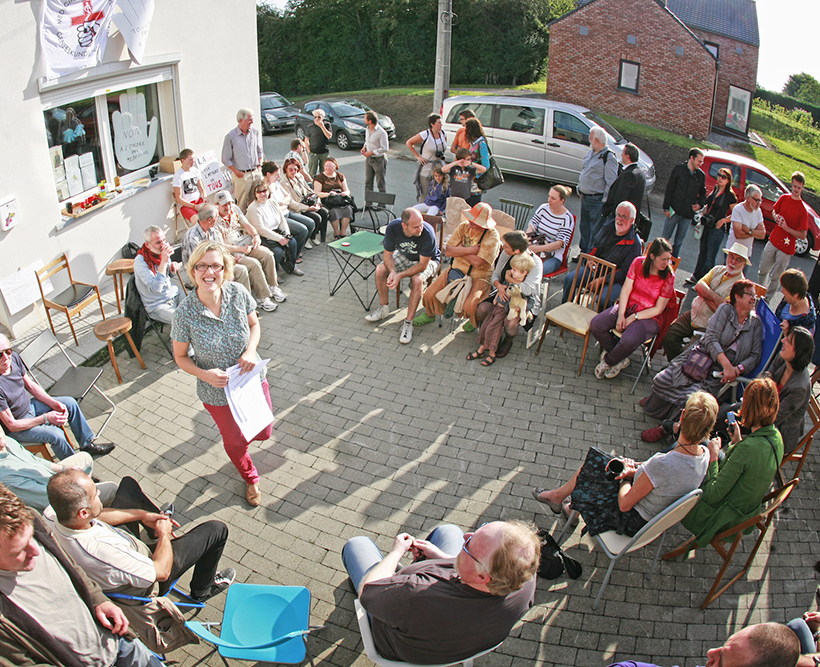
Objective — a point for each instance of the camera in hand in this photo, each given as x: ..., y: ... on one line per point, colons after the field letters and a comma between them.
x: 614, y: 468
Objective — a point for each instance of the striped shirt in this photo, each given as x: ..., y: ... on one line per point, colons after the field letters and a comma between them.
x: 554, y: 227
x: 242, y: 151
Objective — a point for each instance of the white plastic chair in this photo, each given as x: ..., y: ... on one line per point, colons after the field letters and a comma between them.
x: 617, y: 546
x: 373, y: 654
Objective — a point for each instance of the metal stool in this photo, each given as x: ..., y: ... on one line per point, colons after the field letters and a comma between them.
x: 108, y: 330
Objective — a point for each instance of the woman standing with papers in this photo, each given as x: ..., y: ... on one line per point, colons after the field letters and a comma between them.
x: 219, y: 320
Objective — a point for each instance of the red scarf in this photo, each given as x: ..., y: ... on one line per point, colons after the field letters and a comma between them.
x: 151, y: 259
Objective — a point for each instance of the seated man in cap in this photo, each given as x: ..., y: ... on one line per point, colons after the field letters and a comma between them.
x: 463, y: 598
x: 713, y: 289
x: 474, y: 247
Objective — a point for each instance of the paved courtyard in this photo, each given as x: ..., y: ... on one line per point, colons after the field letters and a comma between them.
x: 374, y: 438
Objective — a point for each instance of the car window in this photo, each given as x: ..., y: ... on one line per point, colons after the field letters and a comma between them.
x: 274, y: 102
x: 484, y: 112
x: 770, y: 189
x: 343, y: 109
x: 595, y: 118
x: 569, y: 128
x: 716, y: 166
x: 310, y: 106
x: 521, y: 119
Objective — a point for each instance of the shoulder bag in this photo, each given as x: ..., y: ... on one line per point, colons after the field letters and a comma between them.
x: 492, y: 177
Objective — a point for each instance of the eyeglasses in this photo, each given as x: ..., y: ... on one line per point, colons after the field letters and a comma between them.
x: 7, y: 352
x: 262, y: 192
x: 202, y: 268
x: 619, y: 216
x: 723, y: 176
x: 751, y: 294
x: 467, y: 542
x: 757, y: 199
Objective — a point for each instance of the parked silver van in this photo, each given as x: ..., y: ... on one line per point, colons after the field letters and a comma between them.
x: 538, y: 138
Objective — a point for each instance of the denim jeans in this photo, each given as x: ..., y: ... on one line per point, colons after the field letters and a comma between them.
x: 801, y: 629
x: 135, y: 654
x: 710, y: 243
x: 590, y: 222
x: 279, y: 251
x: 360, y: 554
x: 54, y: 435
x: 301, y: 227
x: 553, y: 263
x: 677, y: 225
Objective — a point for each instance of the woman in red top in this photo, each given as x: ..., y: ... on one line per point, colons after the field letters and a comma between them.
x: 649, y: 285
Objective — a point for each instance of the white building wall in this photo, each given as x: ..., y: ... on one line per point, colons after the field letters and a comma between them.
x: 214, y: 42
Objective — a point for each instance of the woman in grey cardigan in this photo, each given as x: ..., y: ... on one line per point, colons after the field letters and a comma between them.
x: 734, y: 341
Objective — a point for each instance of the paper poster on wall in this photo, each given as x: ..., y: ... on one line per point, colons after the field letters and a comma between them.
x: 20, y: 289
x: 9, y: 213
x: 134, y: 22
x: 212, y: 177
x: 88, y: 172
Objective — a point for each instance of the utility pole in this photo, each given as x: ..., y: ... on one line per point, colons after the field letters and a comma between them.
x: 444, y: 27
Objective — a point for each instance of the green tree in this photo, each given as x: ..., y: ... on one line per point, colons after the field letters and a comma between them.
x: 803, y: 87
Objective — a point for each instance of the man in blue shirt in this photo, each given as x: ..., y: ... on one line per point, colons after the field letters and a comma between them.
x: 410, y: 251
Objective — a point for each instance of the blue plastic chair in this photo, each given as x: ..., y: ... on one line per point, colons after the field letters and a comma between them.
x: 772, y: 333
x: 262, y: 623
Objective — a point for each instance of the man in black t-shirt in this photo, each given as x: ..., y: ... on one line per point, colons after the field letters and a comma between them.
x: 410, y: 251
x: 464, y: 598
x: 317, y: 136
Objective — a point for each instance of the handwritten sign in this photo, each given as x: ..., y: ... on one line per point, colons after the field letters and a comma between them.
x: 212, y: 177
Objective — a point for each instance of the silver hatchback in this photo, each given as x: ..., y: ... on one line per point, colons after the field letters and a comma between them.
x: 538, y: 138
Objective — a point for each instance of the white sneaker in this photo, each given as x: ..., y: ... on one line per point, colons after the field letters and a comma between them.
x: 316, y: 241
x: 266, y: 304
x: 406, y: 332
x: 308, y: 245
x: 617, y: 368
x: 278, y: 295
x: 378, y: 314
x: 601, y: 369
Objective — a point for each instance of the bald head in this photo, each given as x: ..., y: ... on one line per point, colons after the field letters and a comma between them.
x: 411, y: 221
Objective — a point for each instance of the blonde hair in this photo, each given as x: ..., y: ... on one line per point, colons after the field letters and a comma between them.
x: 516, y: 559
x: 208, y: 246
x: 699, y: 416
x: 523, y: 262
x: 563, y: 191
x: 14, y: 515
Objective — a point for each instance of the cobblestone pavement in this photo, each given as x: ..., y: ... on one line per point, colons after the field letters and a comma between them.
x: 373, y: 438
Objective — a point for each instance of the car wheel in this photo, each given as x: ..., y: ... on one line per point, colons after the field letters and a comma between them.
x: 300, y: 133
x: 343, y: 140
x: 802, y: 247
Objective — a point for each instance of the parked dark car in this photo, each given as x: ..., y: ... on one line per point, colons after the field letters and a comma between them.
x: 278, y: 113
x: 746, y: 171
x: 346, y: 118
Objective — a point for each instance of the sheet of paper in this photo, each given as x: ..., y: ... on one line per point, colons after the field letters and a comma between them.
x: 247, y: 401
x: 73, y: 175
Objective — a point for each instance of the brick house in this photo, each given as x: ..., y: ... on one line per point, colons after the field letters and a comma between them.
x: 682, y: 65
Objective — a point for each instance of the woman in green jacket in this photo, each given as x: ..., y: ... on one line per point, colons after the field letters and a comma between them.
x: 734, y: 487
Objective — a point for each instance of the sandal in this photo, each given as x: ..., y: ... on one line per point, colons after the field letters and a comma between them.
x: 489, y: 361
x: 476, y: 355
x: 299, y: 261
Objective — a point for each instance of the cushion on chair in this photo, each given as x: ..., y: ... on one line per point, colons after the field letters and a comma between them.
x: 72, y: 295
x: 572, y: 317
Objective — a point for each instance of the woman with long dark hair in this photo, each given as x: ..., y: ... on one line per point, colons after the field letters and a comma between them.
x: 716, y: 218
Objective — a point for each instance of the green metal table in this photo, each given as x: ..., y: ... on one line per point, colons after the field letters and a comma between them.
x: 357, y: 256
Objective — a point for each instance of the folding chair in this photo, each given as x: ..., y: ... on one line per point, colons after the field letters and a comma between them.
x: 373, y: 654
x: 762, y: 522
x: 377, y: 208
x: 617, y: 546
x: 518, y: 210
x: 537, y: 327
x: 262, y: 623
x: 584, y: 302
x: 75, y: 382
x: 800, y: 453
x: 72, y: 300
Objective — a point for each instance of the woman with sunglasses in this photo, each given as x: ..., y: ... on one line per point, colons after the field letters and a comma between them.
x: 219, y: 320
x: 717, y: 214
x: 272, y: 226
x: 734, y: 343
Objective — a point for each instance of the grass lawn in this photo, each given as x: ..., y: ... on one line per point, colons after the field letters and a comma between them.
x: 636, y: 129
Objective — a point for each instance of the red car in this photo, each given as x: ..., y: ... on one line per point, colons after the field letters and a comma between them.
x: 746, y: 171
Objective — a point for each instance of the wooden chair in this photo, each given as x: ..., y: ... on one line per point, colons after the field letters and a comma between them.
x: 762, y: 522
x: 584, y: 302
x: 71, y: 300
x: 800, y: 453
x: 518, y: 210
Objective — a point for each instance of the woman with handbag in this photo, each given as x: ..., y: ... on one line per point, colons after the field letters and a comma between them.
x: 303, y: 200
x: 626, y: 501
x: 268, y: 220
x: 735, y: 486
x: 717, y: 214
x: 433, y: 142
x: 331, y: 188
x: 301, y: 226
x: 551, y: 227
x: 480, y: 150
x: 649, y: 285
x: 731, y: 346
